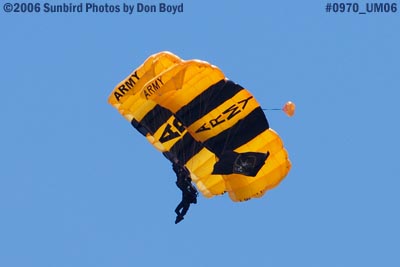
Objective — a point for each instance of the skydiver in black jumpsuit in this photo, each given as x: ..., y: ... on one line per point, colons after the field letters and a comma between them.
x: 189, y: 192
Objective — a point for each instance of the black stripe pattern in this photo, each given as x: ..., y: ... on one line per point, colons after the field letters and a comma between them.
x: 155, y: 118
x: 211, y: 98
x: 186, y: 147
x: 242, y: 132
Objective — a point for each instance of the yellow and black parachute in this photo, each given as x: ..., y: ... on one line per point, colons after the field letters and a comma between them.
x: 191, y: 112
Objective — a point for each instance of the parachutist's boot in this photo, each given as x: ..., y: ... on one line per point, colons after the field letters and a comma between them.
x: 178, y: 219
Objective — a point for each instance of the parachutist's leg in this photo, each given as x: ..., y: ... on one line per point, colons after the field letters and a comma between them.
x: 193, y: 198
x: 178, y: 208
x: 178, y: 219
x: 179, y: 213
x: 185, y: 208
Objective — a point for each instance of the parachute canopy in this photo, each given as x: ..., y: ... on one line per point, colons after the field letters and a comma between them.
x: 189, y: 111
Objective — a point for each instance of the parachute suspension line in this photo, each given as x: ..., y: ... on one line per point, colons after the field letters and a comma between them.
x: 271, y: 109
x: 227, y: 140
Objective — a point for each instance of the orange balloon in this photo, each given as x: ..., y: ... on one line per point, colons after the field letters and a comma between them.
x: 289, y: 108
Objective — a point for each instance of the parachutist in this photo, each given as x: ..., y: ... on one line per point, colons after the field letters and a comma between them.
x: 189, y: 192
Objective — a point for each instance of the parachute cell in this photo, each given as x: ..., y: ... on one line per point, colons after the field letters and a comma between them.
x: 192, y: 113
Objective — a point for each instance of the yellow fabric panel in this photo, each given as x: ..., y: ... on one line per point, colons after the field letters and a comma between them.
x: 160, y: 63
x: 136, y: 106
x: 154, y: 65
x: 274, y: 170
x: 201, y: 166
x: 181, y: 83
x: 125, y: 97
